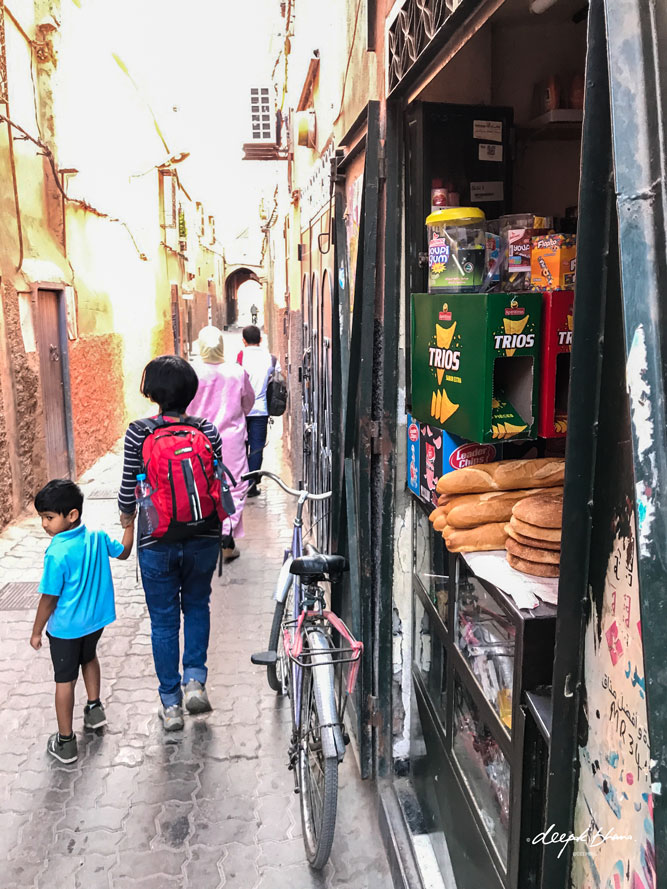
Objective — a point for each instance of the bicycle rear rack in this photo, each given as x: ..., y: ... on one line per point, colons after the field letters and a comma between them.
x: 333, y: 656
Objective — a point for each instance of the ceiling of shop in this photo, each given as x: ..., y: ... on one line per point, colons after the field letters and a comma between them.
x: 519, y: 10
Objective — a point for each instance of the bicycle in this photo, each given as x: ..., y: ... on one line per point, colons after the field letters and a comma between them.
x: 302, y: 661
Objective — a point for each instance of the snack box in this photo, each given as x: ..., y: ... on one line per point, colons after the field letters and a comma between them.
x: 553, y: 262
x: 432, y: 452
x: 557, y: 325
x: 475, y: 364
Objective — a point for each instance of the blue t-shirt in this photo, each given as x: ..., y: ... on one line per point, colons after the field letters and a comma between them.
x: 76, y: 569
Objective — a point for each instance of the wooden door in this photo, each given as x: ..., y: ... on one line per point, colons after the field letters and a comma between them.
x: 53, y: 385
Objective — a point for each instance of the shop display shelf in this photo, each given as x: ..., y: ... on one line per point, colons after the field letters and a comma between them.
x: 562, y: 123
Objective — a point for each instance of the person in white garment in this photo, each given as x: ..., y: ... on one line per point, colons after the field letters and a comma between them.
x: 260, y: 365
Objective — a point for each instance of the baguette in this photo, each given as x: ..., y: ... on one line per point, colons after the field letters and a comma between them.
x: 506, y: 475
x: 438, y: 511
x: 494, y: 506
x: 485, y: 537
x: 439, y: 523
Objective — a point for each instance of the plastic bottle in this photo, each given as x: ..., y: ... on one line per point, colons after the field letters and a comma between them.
x: 438, y: 195
x: 148, y: 517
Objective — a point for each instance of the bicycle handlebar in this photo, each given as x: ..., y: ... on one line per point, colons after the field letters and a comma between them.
x: 256, y: 475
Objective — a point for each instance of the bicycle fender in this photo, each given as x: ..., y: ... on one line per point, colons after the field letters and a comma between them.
x: 325, y: 700
x: 285, y: 580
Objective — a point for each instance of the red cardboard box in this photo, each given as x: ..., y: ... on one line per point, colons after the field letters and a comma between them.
x: 557, y: 314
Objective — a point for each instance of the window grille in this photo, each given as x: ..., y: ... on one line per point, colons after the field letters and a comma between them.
x: 262, y: 118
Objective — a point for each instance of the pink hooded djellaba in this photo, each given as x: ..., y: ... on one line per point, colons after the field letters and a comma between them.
x: 224, y: 397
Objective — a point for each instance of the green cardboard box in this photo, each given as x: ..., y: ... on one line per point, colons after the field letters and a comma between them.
x: 475, y: 363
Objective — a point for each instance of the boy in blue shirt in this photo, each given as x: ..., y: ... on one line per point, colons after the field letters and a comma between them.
x: 78, y: 602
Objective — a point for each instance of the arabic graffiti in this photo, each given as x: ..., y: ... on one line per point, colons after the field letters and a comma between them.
x: 615, y: 785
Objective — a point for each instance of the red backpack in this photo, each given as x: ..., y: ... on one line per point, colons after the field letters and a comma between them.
x: 178, y: 462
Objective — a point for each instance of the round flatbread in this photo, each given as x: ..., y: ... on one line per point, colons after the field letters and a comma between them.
x: 537, y: 569
x: 535, y: 531
x: 545, y: 510
x: 532, y: 553
x: 530, y: 541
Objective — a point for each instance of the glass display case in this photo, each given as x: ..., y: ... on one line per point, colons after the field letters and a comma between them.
x: 486, y: 637
x: 475, y: 655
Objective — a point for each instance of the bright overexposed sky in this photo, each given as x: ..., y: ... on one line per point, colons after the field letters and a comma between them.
x: 193, y: 63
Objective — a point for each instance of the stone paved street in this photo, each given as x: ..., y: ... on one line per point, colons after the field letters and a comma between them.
x: 212, y: 806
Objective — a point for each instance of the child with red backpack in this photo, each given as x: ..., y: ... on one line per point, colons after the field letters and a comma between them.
x: 179, y: 530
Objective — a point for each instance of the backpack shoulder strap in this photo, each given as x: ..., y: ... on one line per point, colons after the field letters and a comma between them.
x: 147, y: 424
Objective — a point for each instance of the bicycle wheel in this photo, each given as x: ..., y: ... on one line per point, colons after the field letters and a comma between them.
x: 318, y: 780
x: 274, y: 673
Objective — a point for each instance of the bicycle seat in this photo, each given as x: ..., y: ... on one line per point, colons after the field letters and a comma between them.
x: 319, y: 565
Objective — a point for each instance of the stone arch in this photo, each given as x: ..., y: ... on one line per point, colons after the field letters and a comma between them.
x: 232, y: 283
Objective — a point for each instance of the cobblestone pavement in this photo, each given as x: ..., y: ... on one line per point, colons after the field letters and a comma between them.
x: 212, y: 806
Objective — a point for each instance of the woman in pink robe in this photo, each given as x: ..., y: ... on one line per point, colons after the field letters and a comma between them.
x: 224, y: 397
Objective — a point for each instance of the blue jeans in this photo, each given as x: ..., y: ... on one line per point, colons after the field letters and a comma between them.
x: 177, y: 577
x: 257, y: 427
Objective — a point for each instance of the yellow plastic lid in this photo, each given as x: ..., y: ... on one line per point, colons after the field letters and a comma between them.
x: 456, y: 216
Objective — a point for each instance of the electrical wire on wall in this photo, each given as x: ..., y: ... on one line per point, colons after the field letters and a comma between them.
x: 273, y: 217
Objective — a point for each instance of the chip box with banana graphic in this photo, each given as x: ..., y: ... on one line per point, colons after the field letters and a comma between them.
x: 475, y: 363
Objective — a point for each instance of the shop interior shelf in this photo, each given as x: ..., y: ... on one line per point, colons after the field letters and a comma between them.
x: 539, y: 704
x: 563, y: 123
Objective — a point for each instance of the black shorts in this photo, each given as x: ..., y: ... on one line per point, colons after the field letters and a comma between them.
x: 69, y: 654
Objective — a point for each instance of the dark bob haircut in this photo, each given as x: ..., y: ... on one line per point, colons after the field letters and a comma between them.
x: 61, y: 496
x: 171, y: 382
x: 251, y: 335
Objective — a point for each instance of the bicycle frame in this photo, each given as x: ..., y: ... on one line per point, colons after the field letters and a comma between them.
x: 322, y: 657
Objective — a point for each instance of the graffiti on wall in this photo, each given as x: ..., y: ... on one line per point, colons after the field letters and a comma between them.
x: 615, y: 802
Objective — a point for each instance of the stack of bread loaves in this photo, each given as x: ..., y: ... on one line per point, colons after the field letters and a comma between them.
x: 533, y: 544
x: 476, y: 502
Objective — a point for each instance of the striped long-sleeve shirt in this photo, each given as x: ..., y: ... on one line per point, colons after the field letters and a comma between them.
x: 133, y: 464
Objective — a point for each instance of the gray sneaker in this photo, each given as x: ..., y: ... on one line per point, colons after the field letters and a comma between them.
x: 172, y: 718
x: 196, y: 699
x: 63, y: 751
x: 94, y: 717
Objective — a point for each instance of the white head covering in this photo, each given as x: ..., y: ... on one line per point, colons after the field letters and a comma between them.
x: 211, y: 345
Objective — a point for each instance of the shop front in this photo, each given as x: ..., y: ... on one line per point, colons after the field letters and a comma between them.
x: 533, y: 436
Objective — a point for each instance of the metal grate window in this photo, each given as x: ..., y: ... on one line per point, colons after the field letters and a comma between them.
x: 262, y: 123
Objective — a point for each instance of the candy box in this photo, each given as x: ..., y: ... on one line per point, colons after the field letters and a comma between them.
x: 553, y: 262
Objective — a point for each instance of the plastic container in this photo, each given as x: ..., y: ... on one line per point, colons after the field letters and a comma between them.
x: 516, y: 233
x: 148, y: 517
x: 456, y: 250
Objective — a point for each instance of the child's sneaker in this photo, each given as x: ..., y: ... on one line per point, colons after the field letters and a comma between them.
x: 196, y: 699
x: 94, y: 717
x: 63, y: 751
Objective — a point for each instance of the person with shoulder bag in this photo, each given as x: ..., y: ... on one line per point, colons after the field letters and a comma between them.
x: 261, y: 367
x: 173, y: 471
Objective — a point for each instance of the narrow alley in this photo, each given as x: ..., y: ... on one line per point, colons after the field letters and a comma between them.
x: 207, y: 807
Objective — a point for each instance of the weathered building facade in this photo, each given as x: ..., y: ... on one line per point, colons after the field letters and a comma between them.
x: 105, y: 259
